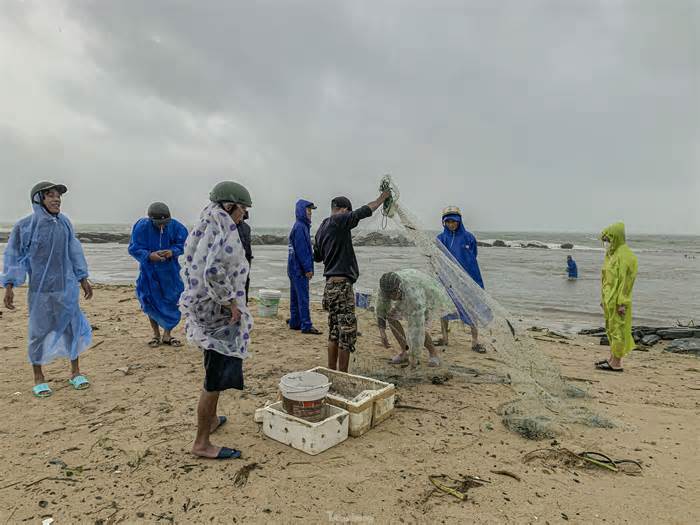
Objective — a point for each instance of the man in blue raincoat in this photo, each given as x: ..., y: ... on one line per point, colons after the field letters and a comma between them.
x: 571, y: 268
x: 156, y: 243
x: 43, y: 247
x: 463, y: 247
x: 300, y: 269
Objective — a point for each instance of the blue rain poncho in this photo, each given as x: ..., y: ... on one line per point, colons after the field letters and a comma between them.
x: 571, y: 269
x: 462, y: 245
x: 45, y: 248
x: 159, y: 284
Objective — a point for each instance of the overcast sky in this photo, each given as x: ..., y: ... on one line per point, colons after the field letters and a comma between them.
x: 531, y: 115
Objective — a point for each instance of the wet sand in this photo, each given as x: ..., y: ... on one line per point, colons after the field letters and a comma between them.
x: 119, y: 452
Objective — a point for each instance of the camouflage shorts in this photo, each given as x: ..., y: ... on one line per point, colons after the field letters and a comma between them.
x: 339, y: 302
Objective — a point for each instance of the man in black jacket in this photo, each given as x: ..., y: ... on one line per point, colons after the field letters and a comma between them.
x: 334, y: 248
x: 244, y: 232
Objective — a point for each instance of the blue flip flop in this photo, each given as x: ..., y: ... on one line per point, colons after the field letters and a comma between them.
x: 80, y: 382
x: 222, y: 421
x: 42, y: 390
x: 228, y: 453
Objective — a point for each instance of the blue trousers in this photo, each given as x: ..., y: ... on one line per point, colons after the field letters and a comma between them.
x: 299, y: 313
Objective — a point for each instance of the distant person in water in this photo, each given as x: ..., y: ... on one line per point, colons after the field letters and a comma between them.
x: 571, y: 268
x: 617, y: 280
x: 156, y: 243
x: 43, y: 247
x: 463, y: 247
x: 300, y: 269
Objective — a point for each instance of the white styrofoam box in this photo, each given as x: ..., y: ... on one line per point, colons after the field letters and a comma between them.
x: 366, y: 411
x: 312, y: 438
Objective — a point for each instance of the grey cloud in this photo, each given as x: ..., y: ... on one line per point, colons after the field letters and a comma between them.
x: 530, y: 114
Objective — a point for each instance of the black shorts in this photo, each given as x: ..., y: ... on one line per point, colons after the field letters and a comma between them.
x: 222, y: 372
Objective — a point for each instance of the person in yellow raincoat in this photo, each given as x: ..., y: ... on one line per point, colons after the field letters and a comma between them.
x: 618, y: 275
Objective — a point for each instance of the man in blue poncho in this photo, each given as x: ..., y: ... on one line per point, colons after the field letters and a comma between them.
x: 156, y: 243
x: 300, y: 269
x: 571, y: 268
x: 43, y: 247
x: 463, y: 247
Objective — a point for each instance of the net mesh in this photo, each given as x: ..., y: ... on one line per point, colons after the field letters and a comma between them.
x: 544, y: 404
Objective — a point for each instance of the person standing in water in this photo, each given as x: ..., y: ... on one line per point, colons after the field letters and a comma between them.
x: 571, y: 268
x: 44, y: 248
x: 617, y: 280
x: 463, y: 247
x: 156, y: 243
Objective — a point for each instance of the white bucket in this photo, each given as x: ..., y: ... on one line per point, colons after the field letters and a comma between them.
x: 269, y: 302
x: 304, y: 394
x: 363, y: 297
x: 304, y: 386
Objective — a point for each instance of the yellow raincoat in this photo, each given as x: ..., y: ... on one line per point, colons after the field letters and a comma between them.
x: 619, y: 273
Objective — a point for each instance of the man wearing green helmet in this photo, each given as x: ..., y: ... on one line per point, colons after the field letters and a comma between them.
x: 213, y: 304
x: 43, y: 248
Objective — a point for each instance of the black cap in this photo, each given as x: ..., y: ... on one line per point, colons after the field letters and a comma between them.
x: 341, y: 202
x: 159, y: 213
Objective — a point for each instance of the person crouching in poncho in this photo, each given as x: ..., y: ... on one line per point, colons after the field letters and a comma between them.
x: 217, y: 319
x: 44, y: 247
x: 156, y: 243
x: 417, y: 298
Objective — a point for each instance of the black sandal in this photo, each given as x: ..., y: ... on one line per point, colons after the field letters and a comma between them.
x: 154, y: 343
x: 172, y: 342
x: 479, y: 349
x: 607, y: 367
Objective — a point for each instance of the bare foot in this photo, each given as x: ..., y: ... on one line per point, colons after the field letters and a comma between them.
x: 209, y: 451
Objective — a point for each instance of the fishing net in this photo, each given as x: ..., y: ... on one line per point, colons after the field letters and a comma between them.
x: 544, y: 403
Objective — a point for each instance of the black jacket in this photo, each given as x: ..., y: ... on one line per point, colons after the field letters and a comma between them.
x: 333, y: 244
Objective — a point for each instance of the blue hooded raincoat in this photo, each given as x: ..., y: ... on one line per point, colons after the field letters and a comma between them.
x: 44, y: 247
x: 571, y: 269
x: 463, y: 247
x: 300, y: 262
x: 159, y: 284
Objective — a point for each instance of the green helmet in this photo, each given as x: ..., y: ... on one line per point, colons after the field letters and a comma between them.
x: 229, y: 191
x: 45, y: 186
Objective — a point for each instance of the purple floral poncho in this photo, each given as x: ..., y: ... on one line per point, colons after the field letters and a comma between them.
x: 215, y: 272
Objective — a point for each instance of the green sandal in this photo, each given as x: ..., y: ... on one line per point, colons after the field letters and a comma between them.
x: 42, y: 390
x: 80, y: 382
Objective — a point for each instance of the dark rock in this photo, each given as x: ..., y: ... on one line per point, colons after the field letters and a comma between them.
x: 567, y: 246
x: 500, y: 244
x: 382, y: 239
x: 536, y: 244
x: 604, y: 341
x: 685, y: 346
x: 269, y: 240
x: 483, y: 244
x: 592, y: 331
x: 678, y: 333
x: 650, y: 340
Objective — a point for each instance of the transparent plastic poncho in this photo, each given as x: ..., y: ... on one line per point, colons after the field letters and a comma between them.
x: 43, y: 247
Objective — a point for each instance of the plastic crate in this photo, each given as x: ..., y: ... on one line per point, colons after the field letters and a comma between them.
x: 365, y: 412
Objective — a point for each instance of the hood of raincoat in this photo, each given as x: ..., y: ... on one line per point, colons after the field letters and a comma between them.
x: 616, y: 233
x: 456, y: 218
x: 301, y: 211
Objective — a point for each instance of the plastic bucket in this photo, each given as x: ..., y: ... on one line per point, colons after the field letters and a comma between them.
x: 268, y: 302
x: 303, y: 394
x: 363, y: 298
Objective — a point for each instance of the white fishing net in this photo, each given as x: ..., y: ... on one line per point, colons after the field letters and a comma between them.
x: 544, y: 403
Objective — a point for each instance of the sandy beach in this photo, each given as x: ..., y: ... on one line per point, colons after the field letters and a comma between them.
x: 119, y: 452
